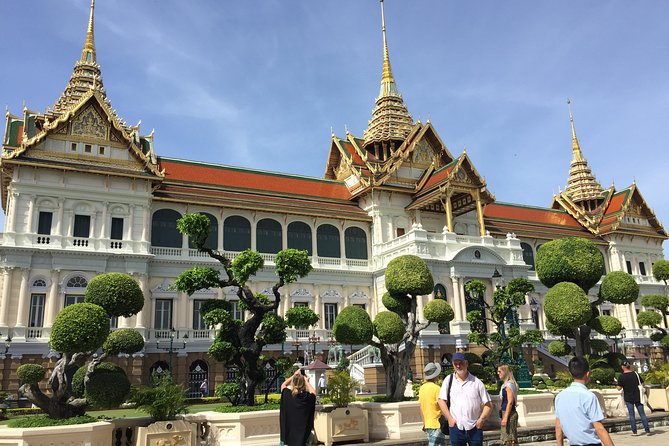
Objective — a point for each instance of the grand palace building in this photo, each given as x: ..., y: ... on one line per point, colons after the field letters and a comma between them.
x: 84, y: 194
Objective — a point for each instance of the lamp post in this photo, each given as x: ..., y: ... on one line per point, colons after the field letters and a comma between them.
x: 524, y: 379
x: 313, y: 340
x: 170, y: 347
x: 296, y: 346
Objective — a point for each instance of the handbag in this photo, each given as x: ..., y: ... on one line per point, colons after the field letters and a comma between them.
x: 443, y: 422
x: 642, y: 390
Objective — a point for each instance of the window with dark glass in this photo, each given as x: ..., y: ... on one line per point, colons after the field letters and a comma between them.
x: 330, y: 311
x: 299, y: 236
x: 480, y: 325
x: 113, y: 322
x: 164, y: 230
x: 44, y: 223
x: 71, y: 299
x: 628, y: 265
x: 268, y: 236
x: 237, y: 312
x: 355, y: 243
x: 327, y: 241
x: 36, y: 316
x: 163, y: 314
x: 82, y: 226
x: 363, y: 306
x: 528, y: 255
x: 236, y: 234
x: 642, y: 268
x: 198, y: 322
x: 400, y: 232
x: 212, y: 239
x: 116, y: 228
x: 300, y: 304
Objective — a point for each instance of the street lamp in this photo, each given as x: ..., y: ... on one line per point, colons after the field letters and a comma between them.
x: 296, y: 346
x: 170, y: 348
x: 313, y: 340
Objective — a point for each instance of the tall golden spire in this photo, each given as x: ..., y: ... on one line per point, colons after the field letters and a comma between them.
x: 88, y: 53
x: 86, y: 75
x: 391, y: 121
x: 582, y: 186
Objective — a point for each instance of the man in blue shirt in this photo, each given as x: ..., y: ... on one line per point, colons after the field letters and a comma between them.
x: 578, y: 415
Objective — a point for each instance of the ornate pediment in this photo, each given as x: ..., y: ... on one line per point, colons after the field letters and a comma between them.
x: 89, y: 123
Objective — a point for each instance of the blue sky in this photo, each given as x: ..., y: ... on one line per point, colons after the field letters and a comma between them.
x: 260, y: 83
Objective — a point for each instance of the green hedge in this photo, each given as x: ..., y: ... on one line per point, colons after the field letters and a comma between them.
x: 44, y: 420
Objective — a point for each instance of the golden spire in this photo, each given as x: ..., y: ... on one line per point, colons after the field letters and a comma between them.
x: 88, y: 53
x: 86, y: 75
x: 391, y: 121
x: 582, y: 186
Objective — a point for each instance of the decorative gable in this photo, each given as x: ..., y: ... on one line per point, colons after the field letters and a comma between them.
x: 89, y: 123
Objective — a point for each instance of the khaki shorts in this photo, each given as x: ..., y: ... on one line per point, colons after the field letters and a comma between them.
x: 509, y: 433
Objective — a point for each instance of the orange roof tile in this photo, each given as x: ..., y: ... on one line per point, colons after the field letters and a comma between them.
x: 264, y: 182
x: 617, y: 202
x: 530, y: 215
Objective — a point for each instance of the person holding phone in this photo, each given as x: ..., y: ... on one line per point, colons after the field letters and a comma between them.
x: 296, y: 410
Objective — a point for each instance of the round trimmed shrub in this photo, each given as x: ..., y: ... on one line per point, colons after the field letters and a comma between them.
x: 559, y: 348
x: 603, y: 375
x: 567, y: 305
x: 353, y: 326
x: 108, y: 386
x: 291, y: 264
x: 657, y: 301
x: 408, y: 274
x: 118, y: 293
x: 301, y: 317
x: 661, y: 270
x: 599, y: 346
x: 656, y: 336
x: 619, y: 287
x: 648, y: 318
x: 574, y: 259
x: 273, y: 329
x: 606, y: 325
x: 221, y: 350
x: 30, y: 373
x: 438, y: 310
x: 388, y: 327
x: 123, y: 340
x: 79, y: 328
x: 396, y: 303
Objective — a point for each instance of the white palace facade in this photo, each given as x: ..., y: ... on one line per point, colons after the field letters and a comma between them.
x: 84, y: 194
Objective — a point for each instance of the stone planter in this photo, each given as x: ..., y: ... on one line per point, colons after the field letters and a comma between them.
x: 341, y: 424
x: 260, y: 428
x: 396, y: 421
x: 658, y: 399
x: 175, y: 432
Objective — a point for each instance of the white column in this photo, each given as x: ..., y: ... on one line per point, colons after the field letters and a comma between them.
x: 7, y: 274
x: 146, y: 224
x: 318, y: 310
x: 52, y: 301
x: 419, y: 308
x: 104, y: 234
x: 284, y: 235
x: 22, y: 313
x: 457, y: 304
x: 59, y: 218
x: 143, y: 315
x: 221, y: 219
x: 314, y: 240
x: 254, y: 229
x: 342, y: 244
x: 13, y: 207
x: 31, y: 215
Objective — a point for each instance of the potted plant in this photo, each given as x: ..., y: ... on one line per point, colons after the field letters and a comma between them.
x: 657, y: 382
x: 339, y: 421
x: 164, y: 401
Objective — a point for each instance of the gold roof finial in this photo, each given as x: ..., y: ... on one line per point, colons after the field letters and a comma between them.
x: 581, y: 184
x: 88, y: 53
x: 576, y: 148
x: 391, y: 120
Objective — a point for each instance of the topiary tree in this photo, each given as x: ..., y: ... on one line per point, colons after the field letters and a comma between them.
x: 238, y: 343
x: 395, y: 331
x: 653, y: 318
x: 78, y: 331
x: 661, y: 271
x: 570, y: 267
x: 500, y: 312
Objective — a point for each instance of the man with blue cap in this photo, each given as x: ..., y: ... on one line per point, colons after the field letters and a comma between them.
x: 465, y: 403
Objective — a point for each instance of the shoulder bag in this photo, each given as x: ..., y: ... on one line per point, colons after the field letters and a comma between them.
x: 642, y: 390
x: 443, y: 422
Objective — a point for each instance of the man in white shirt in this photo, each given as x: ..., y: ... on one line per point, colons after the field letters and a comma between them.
x: 465, y: 403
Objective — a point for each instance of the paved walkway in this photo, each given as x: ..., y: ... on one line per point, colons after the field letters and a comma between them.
x: 545, y: 436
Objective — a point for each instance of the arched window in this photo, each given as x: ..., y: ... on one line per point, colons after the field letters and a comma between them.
x: 197, y: 373
x: 38, y: 283
x: 528, y: 255
x: 471, y: 305
x: 355, y: 241
x: 212, y: 238
x: 164, y: 230
x: 74, y: 290
x: 268, y: 236
x: 157, y: 370
x: 299, y: 236
x: 327, y: 241
x: 236, y: 234
x: 77, y: 282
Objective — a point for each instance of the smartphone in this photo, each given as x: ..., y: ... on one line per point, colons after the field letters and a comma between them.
x: 302, y: 372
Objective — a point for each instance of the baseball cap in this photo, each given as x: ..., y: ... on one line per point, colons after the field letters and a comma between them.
x: 458, y: 356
